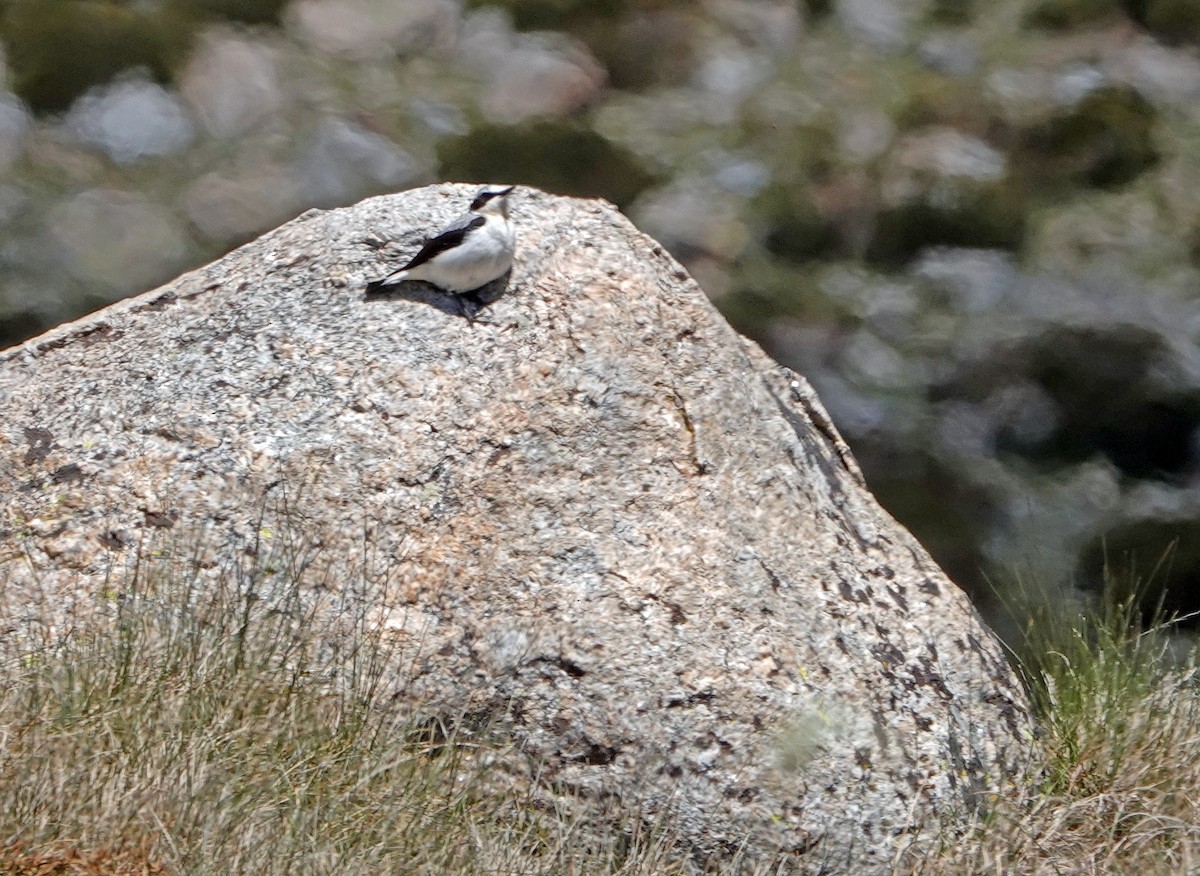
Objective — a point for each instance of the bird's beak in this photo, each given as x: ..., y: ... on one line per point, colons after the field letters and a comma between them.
x: 506, y: 191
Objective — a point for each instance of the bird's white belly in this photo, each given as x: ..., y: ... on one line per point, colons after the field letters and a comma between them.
x: 476, y: 264
x: 464, y: 273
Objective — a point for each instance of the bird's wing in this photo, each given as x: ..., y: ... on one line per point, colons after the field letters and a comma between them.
x: 448, y: 238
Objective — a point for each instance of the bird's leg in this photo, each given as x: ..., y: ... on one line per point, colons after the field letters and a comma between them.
x: 469, y: 304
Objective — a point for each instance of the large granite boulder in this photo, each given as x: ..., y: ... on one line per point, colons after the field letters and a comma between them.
x: 595, y: 513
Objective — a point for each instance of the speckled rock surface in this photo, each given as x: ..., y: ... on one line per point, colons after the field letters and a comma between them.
x: 597, y: 511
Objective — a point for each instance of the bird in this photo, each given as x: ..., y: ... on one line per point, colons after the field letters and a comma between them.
x: 470, y: 252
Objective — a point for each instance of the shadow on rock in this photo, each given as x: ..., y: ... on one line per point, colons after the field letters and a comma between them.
x: 467, y: 305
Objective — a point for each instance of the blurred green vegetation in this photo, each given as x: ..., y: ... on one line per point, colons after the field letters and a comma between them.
x: 1148, y: 564
x: 818, y: 8
x: 795, y: 229
x: 555, y: 14
x: 636, y: 52
x: 933, y: 99
x: 246, y: 11
x: 990, y: 215
x: 58, y: 49
x: 951, y: 11
x: 1105, y: 141
x: 563, y: 157
x: 1064, y: 14
x: 569, y: 14
x: 1172, y: 21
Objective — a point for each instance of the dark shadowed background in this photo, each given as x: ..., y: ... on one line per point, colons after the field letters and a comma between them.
x: 974, y: 226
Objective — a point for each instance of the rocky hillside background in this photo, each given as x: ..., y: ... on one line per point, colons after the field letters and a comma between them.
x: 974, y: 226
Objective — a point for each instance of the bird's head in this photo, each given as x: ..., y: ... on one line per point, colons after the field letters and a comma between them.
x: 492, y: 199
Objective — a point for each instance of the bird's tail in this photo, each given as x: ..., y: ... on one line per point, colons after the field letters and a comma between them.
x: 383, y: 283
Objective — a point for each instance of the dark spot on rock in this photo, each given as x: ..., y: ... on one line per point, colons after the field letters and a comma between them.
x: 86, y: 337
x: 160, y: 520
x: 57, y: 531
x: 160, y: 302
x: 956, y: 757
x: 678, y: 618
x: 850, y: 594
x: 40, y: 441
x: 1007, y: 711
x: 897, y: 594
x: 596, y: 755
x: 67, y: 474
x: 805, y: 846
x: 924, y: 676
x: 701, y: 696
x: 773, y: 576
x: 674, y: 770
x: 209, y: 288
x: 887, y: 654
x: 862, y: 758
x: 518, y: 710
x: 922, y: 722
x: 498, y: 453
x: 112, y: 540
x: 570, y: 667
x: 58, y: 343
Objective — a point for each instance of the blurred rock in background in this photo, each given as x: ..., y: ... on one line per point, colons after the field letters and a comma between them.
x: 975, y: 227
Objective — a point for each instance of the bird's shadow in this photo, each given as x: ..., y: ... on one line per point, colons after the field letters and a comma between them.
x: 467, y: 305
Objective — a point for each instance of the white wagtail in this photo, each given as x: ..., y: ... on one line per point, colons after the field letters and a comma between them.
x: 470, y: 252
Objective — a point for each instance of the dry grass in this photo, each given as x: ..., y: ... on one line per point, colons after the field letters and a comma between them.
x: 1120, y: 795
x: 204, y: 726
x: 1118, y: 788
x: 17, y: 860
x: 223, y: 724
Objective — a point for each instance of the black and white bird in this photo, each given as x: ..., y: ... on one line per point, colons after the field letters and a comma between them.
x: 470, y: 252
